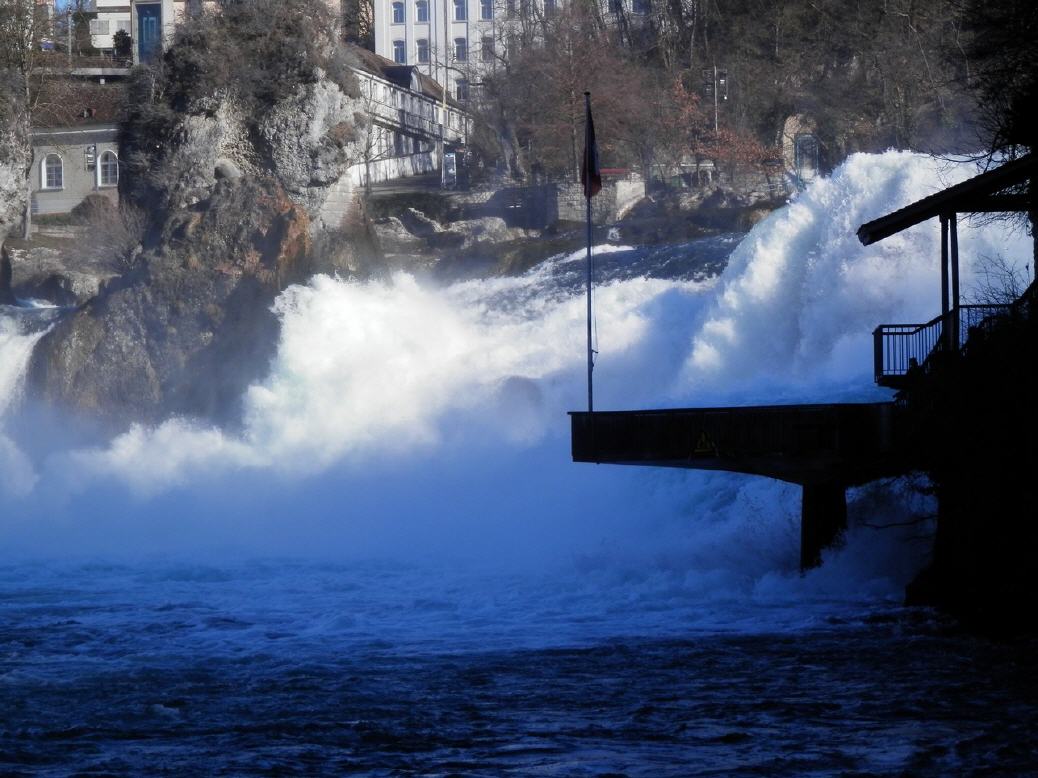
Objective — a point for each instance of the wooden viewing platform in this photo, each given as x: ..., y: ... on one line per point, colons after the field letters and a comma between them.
x: 823, y: 448
x: 826, y: 448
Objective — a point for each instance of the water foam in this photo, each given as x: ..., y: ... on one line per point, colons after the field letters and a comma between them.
x: 17, y: 474
x: 398, y: 415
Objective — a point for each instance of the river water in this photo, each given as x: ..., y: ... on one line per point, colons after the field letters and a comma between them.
x: 391, y: 566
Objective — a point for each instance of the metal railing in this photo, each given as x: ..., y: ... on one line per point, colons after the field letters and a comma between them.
x: 897, y: 348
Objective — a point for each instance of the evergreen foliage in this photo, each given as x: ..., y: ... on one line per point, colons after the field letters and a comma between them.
x: 251, y: 53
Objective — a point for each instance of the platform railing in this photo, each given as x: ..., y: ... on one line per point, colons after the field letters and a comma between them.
x: 897, y: 348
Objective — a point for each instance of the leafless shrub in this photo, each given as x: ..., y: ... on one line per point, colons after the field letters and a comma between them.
x: 111, y: 233
x: 999, y: 281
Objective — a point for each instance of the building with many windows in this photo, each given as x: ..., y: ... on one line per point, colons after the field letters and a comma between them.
x: 410, y: 121
x: 452, y: 41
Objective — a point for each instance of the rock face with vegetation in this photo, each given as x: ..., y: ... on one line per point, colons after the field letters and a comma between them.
x: 232, y: 98
x: 229, y: 145
x: 188, y: 326
x: 15, y: 154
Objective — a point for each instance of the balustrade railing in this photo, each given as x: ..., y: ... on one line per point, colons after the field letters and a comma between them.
x: 897, y: 348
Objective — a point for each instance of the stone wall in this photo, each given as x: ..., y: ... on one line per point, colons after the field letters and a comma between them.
x: 607, y: 206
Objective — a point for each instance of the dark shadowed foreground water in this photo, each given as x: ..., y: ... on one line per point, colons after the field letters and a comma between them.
x: 594, y: 621
x: 300, y: 669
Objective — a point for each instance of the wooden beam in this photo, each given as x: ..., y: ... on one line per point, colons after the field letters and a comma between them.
x: 975, y: 189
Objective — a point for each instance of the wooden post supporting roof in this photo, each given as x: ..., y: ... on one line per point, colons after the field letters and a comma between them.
x: 945, y: 293
x: 1005, y: 189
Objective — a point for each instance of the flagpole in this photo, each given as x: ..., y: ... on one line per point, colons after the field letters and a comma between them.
x: 590, y: 349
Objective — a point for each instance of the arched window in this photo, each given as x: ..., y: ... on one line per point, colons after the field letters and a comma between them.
x: 399, y: 52
x: 486, y: 9
x: 108, y: 169
x: 398, y: 12
x: 53, y: 174
x: 423, y: 49
x: 461, y: 49
x: 421, y: 11
x: 460, y: 13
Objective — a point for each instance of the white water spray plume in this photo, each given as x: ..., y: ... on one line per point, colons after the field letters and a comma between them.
x: 403, y: 418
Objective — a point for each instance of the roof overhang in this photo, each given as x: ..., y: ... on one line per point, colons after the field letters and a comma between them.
x: 980, y: 194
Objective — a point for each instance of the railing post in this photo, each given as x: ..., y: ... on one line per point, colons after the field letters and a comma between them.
x: 945, y: 329
x: 877, y: 353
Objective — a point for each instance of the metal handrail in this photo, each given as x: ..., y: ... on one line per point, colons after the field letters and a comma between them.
x: 898, y: 348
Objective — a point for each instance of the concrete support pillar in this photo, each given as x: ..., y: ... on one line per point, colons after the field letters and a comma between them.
x: 823, y: 518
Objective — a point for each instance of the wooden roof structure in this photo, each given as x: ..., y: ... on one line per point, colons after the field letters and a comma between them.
x: 980, y: 194
x: 1005, y: 189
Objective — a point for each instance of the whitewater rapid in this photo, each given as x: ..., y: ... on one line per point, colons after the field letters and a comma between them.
x: 403, y: 418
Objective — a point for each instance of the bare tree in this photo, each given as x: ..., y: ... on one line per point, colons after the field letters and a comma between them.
x: 24, y: 26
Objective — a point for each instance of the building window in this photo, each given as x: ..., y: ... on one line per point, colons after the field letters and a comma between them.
x: 98, y: 26
x: 399, y: 52
x: 510, y: 9
x: 53, y: 174
x: 423, y: 50
x: 460, y: 12
x: 463, y: 90
x: 549, y: 7
x: 108, y: 170
x: 486, y: 52
x: 122, y: 25
x: 640, y: 6
x: 421, y: 11
x: 398, y: 144
x: 486, y: 9
x: 461, y: 50
x: 398, y: 12
x: 616, y: 6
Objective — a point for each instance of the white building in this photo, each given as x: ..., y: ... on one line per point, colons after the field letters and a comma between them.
x: 457, y: 42
x: 409, y: 121
x: 453, y: 41
x: 112, y: 16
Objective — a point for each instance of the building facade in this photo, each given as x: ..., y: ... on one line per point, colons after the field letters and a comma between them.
x: 454, y: 42
x: 112, y: 16
x: 410, y: 121
x: 70, y: 163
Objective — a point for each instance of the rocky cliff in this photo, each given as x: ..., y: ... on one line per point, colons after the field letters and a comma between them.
x: 15, y: 153
x: 234, y: 189
x: 189, y: 326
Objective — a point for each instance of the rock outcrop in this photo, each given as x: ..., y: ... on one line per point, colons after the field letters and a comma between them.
x: 305, y: 142
x: 190, y: 326
x: 15, y: 154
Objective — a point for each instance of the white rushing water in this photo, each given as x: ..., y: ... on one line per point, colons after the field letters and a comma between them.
x: 403, y: 420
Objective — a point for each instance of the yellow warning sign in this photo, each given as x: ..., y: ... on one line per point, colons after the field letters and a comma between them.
x: 704, y: 446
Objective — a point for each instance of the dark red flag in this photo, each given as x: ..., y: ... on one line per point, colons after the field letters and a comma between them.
x: 590, y: 173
